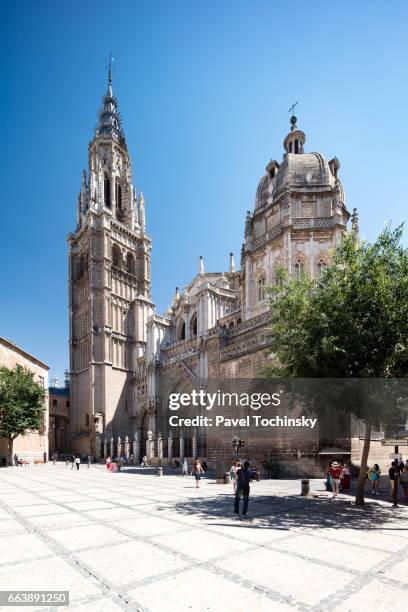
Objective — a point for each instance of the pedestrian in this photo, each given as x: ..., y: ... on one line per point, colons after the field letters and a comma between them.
x: 197, y: 472
x: 108, y: 461
x: 89, y: 461
x: 144, y: 461
x: 336, y: 472
x: 233, y: 472
x: 404, y: 482
x: 401, y: 466
x: 393, y: 473
x: 77, y: 462
x: 185, y: 467
x: 375, y: 475
x: 329, y: 487
x: 72, y: 461
x: 15, y: 459
x: 54, y: 458
x: 243, y: 477
x: 367, y: 479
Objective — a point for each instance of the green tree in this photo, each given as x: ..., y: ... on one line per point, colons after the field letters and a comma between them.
x: 21, y: 404
x: 351, y: 323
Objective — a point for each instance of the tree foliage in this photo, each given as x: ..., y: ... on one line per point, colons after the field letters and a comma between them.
x: 351, y: 323
x: 21, y: 402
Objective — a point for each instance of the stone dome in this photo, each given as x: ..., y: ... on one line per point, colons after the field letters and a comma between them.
x: 296, y: 171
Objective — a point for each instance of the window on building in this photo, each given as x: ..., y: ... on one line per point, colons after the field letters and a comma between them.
x: 320, y: 267
x: 296, y: 146
x: 41, y: 380
x: 298, y: 268
x: 290, y: 147
x: 130, y: 263
x: 181, y: 331
x: 54, y: 402
x: 107, y: 190
x: 193, y: 326
x: 118, y: 198
x: 116, y: 256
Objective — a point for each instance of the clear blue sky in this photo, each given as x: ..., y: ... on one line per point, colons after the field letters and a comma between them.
x: 204, y: 91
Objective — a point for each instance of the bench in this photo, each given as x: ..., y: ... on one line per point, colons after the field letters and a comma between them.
x: 23, y: 462
x: 39, y: 461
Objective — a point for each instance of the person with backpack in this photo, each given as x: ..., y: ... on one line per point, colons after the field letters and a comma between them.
x: 243, y: 477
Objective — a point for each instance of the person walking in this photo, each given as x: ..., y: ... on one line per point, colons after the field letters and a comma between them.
x: 108, y: 461
x: 89, y: 461
x: 72, y: 461
x: 375, y: 474
x: 393, y: 474
x: 336, y: 472
x: 15, y: 459
x: 185, y: 467
x: 197, y: 472
x: 243, y: 477
x: 404, y: 482
x: 77, y: 462
x: 329, y: 487
x: 144, y: 461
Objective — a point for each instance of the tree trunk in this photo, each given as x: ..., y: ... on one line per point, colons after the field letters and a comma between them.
x: 363, y: 465
x: 10, y: 451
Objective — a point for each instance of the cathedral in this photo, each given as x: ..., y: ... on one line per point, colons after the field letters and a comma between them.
x: 122, y: 352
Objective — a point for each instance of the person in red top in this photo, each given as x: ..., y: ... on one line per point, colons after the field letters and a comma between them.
x: 336, y: 472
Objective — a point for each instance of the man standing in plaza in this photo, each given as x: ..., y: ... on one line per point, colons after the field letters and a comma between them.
x: 77, y: 462
x: 243, y: 477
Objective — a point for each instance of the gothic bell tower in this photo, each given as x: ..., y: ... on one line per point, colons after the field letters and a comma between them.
x: 109, y: 289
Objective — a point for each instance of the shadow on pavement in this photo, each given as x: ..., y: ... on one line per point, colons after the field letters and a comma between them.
x: 286, y: 512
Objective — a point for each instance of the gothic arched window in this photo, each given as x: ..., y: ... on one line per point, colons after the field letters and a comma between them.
x: 290, y: 147
x: 181, y: 335
x: 296, y: 146
x: 299, y: 268
x: 193, y: 326
x: 106, y: 190
x: 116, y: 256
x: 118, y: 198
x: 130, y: 263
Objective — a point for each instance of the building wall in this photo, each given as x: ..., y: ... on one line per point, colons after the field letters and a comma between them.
x: 33, y: 445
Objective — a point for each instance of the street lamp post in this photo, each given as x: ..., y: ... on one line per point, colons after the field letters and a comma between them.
x: 237, y: 443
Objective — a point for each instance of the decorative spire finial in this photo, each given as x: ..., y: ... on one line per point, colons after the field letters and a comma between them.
x: 231, y: 263
x: 110, y: 68
x: 293, y: 119
x: 201, y: 265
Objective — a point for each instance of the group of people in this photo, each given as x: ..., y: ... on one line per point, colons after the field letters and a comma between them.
x: 118, y: 462
x: 372, y: 477
x: 241, y: 476
x: 76, y: 460
x: 337, y: 477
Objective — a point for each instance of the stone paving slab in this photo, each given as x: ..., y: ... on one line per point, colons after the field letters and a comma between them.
x: 132, y: 541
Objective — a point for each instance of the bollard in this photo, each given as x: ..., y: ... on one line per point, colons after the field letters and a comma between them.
x: 160, y: 471
x: 305, y: 487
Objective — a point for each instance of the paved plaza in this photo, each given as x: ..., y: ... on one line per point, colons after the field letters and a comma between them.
x: 133, y: 541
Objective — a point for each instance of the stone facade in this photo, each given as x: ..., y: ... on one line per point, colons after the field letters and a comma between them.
x: 109, y: 289
x: 33, y: 445
x: 124, y: 355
